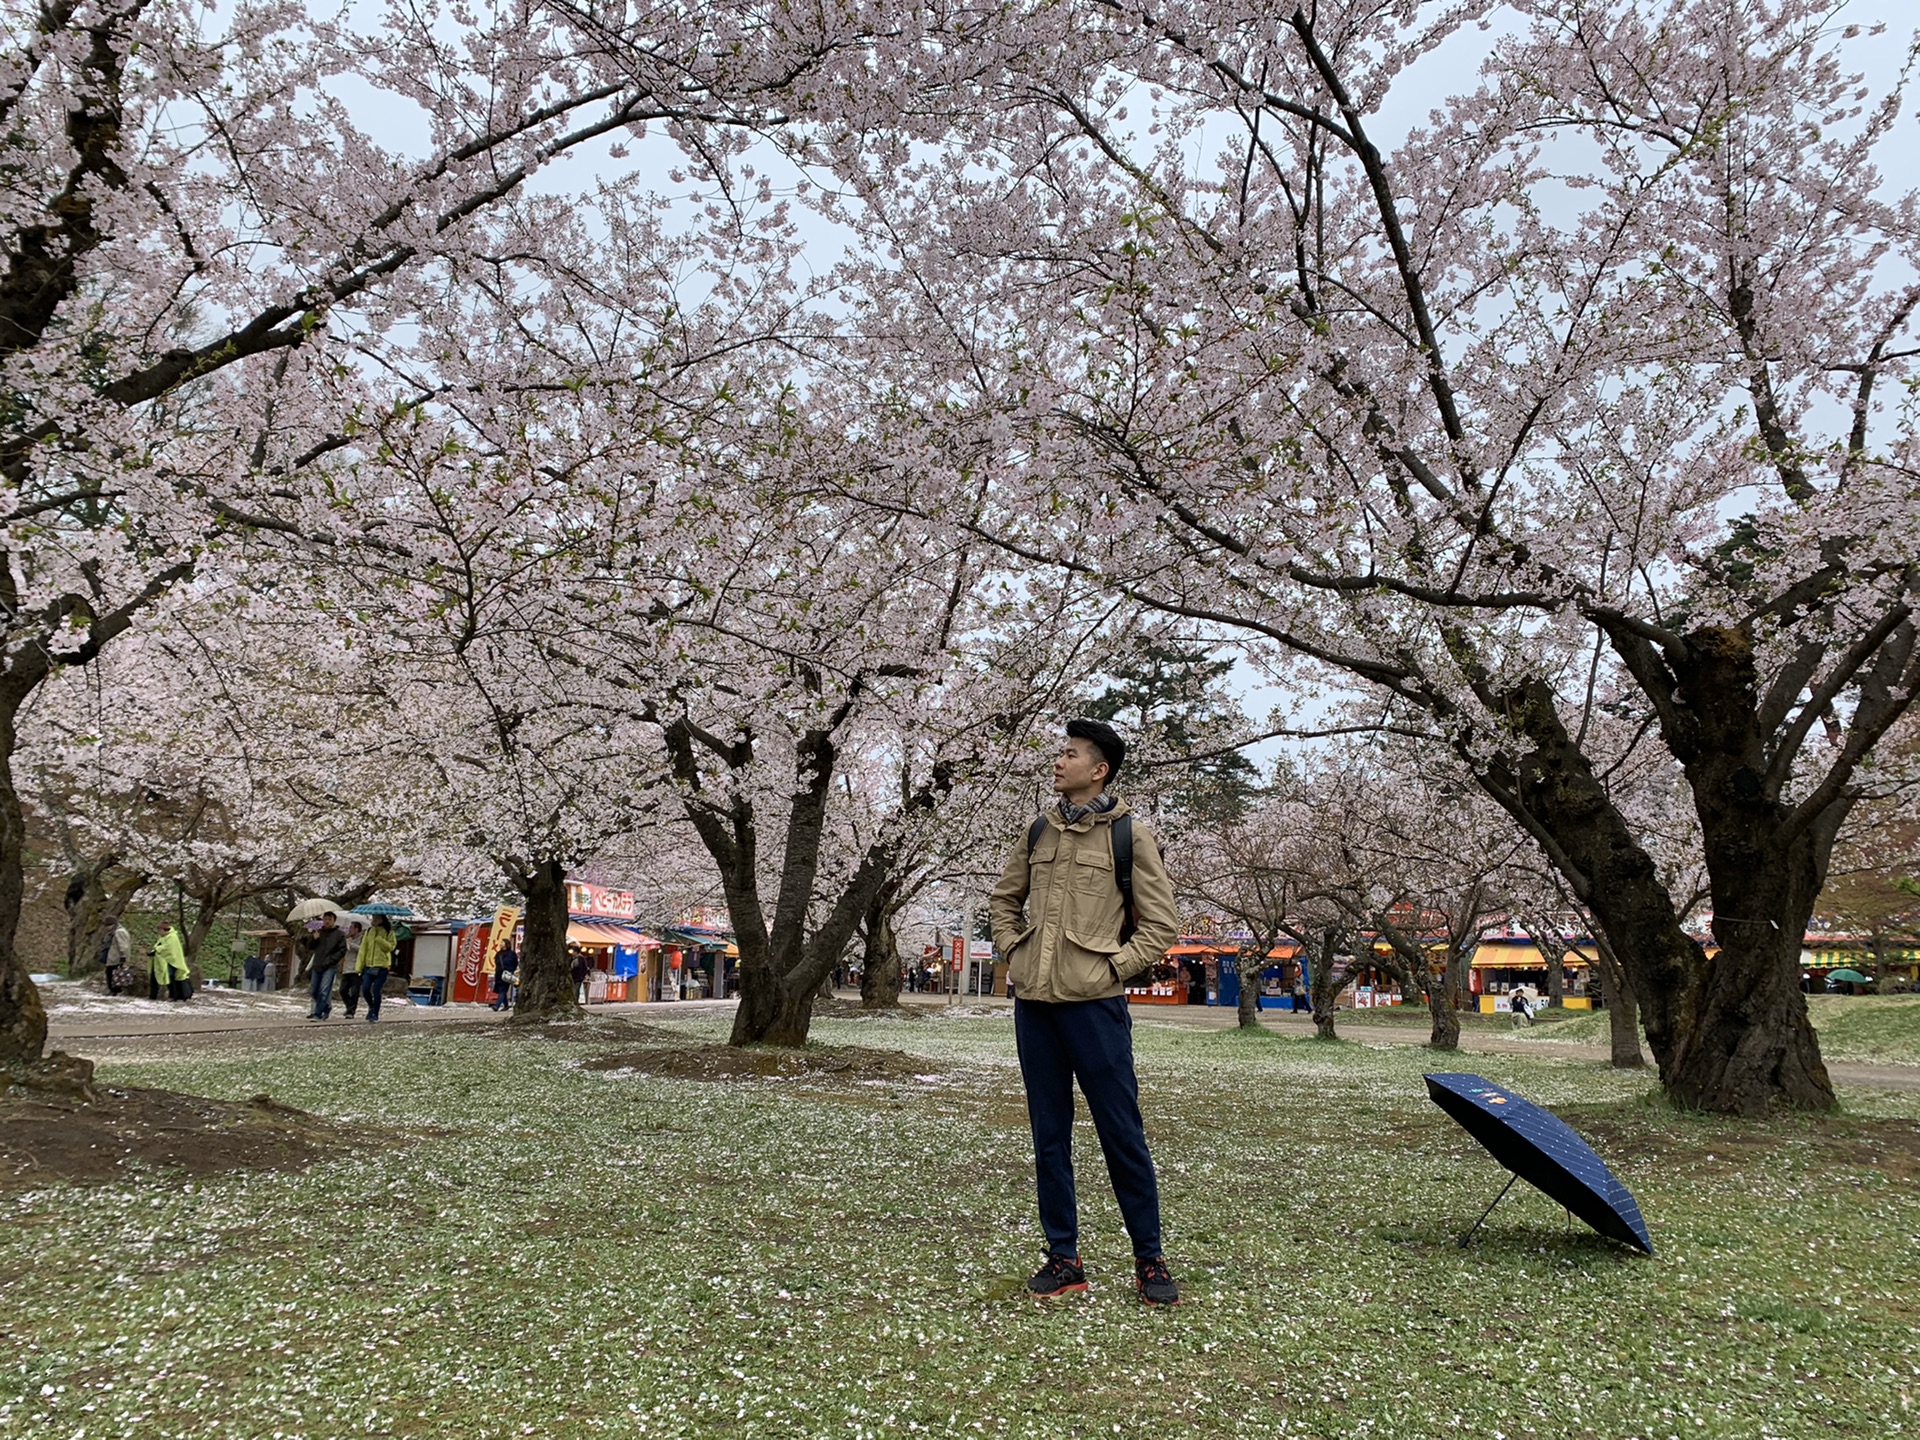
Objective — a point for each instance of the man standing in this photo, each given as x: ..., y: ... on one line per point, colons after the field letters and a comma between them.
x: 1071, y: 938
x: 328, y: 950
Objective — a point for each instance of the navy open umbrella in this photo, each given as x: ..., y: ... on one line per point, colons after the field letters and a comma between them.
x: 1542, y: 1149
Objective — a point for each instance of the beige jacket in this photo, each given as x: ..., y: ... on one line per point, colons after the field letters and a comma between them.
x: 1056, y: 921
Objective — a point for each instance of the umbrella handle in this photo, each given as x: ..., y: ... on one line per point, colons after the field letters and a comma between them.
x: 1488, y: 1211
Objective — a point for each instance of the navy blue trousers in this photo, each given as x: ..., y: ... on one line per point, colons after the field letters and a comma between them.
x: 1090, y: 1041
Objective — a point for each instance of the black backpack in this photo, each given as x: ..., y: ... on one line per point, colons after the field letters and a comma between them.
x: 1120, y: 832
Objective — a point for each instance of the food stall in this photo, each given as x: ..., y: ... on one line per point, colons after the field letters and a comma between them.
x: 622, y: 963
x: 706, y: 956
x: 1276, y: 980
x: 1502, y: 964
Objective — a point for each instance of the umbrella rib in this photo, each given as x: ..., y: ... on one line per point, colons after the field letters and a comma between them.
x: 1489, y: 1210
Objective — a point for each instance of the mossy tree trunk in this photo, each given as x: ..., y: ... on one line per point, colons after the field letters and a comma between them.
x: 880, y: 961
x: 1251, y: 962
x: 546, y: 990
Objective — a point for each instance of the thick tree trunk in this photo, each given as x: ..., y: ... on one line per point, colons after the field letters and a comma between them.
x: 193, y: 937
x: 1556, y: 974
x: 1444, y: 1033
x: 782, y: 966
x: 792, y: 1016
x: 96, y: 914
x: 880, y: 963
x: 759, y: 989
x: 1731, y: 1035
x: 1251, y: 963
x: 1623, y: 1010
x: 23, y: 1019
x: 546, y: 989
x: 1751, y: 1045
x: 1321, y: 989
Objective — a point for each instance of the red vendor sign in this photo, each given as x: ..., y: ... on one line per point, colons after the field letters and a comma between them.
x: 597, y: 900
x: 470, y: 977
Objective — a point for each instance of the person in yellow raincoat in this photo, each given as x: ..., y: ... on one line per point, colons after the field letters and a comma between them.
x: 376, y: 959
x: 170, y: 966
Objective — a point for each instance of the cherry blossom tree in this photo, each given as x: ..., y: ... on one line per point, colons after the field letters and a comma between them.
x: 210, y: 260
x: 841, y: 637
x: 178, y: 760
x: 1595, y: 379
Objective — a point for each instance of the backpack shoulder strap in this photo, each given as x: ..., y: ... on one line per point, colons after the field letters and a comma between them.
x: 1034, y: 832
x: 1120, y: 837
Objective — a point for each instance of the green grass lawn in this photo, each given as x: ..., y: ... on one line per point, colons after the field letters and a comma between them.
x: 525, y: 1246
x: 1883, y: 1029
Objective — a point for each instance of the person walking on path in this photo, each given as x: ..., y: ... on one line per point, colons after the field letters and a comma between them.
x: 170, y: 965
x: 1072, y: 939
x: 505, y: 966
x: 328, y: 950
x: 375, y: 959
x: 350, y: 967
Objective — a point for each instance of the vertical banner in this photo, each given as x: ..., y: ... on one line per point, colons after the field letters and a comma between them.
x: 470, y: 964
x: 504, y: 921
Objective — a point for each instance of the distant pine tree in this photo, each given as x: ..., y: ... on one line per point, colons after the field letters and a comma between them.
x: 1170, y: 695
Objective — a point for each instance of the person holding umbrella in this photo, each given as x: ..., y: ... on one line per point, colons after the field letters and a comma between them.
x: 328, y: 950
x: 350, y: 967
x: 375, y: 959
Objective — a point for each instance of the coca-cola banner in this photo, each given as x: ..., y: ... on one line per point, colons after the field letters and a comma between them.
x: 470, y: 975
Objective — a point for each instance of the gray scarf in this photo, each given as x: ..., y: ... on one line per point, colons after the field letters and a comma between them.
x: 1071, y: 814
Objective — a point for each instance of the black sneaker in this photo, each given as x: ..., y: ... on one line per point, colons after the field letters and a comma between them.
x: 1058, y: 1276
x: 1154, y: 1283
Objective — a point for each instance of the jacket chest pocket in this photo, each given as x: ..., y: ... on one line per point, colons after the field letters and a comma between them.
x: 1043, y: 865
x: 1092, y: 871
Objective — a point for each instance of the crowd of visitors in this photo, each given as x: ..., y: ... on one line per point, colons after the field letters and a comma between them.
x: 358, y: 958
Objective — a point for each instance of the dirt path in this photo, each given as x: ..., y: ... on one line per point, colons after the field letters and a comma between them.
x: 226, y: 1012
x: 1480, y: 1042
x: 233, y: 1013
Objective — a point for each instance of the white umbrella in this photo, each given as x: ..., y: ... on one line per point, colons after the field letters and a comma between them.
x: 313, y: 910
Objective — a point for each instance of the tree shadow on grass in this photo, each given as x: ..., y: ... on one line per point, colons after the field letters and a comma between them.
x: 1521, y: 1246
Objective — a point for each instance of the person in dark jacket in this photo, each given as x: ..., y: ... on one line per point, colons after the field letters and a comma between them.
x: 330, y: 947
x: 506, y: 966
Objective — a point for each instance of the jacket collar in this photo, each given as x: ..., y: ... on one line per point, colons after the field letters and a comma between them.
x: 1086, y: 822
